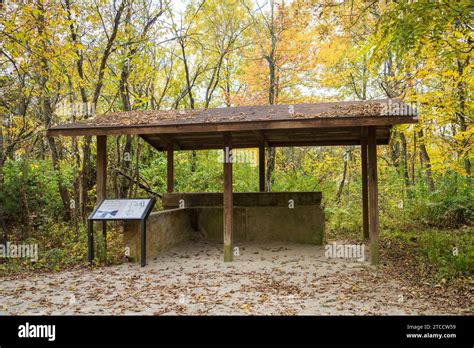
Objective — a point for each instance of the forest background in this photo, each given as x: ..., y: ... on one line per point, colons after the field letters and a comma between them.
x: 69, y: 60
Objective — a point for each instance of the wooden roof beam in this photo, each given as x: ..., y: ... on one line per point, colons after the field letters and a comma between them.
x: 166, y: 139
x: 84, y: 130
x: 260, y: 135
x: 169, y: 141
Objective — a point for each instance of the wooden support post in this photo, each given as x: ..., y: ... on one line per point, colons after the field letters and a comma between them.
x: 365, y: 190
x: 261, y: 167
x: 101, y: 167
x: 143, y: 243
x: 101, y: 182
x: 373, y: 197
x: 170, y: 169
x: 228, y: 248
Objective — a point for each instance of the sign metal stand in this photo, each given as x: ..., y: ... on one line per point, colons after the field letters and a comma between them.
x: 137, y: 209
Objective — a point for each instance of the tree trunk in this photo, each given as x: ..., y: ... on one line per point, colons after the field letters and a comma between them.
x: 270, y: 167
x: 271, y: 152
x: 47, y: 112
x: 86, y: 179
x: 404, y: 158
x: 126, y: 164
x: 62, y: 189
x: 1, y: 157
x: 461, y: 116
x: 127, y: 106
x: 426, y: 162
x: 343, y: 181
x: 3, y: 226
x: 25, y: 209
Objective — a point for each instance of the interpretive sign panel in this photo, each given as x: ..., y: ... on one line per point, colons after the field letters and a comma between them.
x: 121, y: 209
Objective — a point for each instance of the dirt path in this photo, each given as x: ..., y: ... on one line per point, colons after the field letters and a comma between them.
x: 266, y: 279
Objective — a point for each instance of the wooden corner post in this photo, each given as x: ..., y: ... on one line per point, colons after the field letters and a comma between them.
x: 170, y: 169
x: 101, y: 182
x: 228, y: 214
x: 373, y: 196
x: 365, y: 190
x: 101, y: 167
x: 261, y: 167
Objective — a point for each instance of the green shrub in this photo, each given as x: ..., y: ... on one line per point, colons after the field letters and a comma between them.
x: 60, y: 246
x: 444, y: 254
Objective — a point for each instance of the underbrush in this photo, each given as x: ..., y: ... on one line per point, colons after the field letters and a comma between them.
x: 433, y: 255
x: 61, y: 246
x: 426, y: 254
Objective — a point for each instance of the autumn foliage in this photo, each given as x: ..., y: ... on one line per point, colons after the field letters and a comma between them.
x: 66, y: 60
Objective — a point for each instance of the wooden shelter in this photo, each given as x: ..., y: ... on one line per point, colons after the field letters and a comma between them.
x: 364, y: 123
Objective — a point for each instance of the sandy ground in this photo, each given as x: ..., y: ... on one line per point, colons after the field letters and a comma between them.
x: 266, y: 279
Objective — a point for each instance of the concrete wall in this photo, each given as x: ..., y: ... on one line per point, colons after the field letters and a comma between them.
x: 249, y: 199
x: 257, y: 216
x: 302, y: 224
x: 164, y: 230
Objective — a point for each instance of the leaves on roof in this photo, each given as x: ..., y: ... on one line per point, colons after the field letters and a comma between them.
x: 374, y: 108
